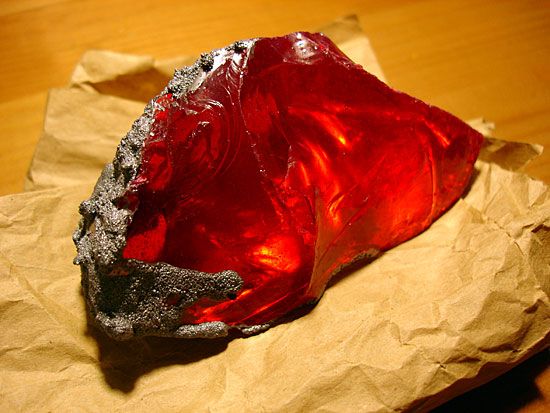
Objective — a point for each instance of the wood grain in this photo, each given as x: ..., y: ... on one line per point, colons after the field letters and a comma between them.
x: 473, y: 58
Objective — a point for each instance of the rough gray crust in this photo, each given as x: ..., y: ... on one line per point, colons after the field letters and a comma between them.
x: 131, y: 298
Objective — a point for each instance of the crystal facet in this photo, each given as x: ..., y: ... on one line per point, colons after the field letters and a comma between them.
x: 281, y: 160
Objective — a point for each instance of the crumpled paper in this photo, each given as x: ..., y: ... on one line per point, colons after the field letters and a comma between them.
x: 444, y: 312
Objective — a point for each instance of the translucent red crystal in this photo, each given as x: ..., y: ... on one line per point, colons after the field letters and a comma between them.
x: 288, y: 162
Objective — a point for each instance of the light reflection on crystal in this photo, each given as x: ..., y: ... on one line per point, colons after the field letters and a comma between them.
x: 288, y: 162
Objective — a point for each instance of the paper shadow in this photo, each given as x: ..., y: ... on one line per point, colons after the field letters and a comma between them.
x: 475, y: 174
x: 124, y: 362
x: 507, y: 393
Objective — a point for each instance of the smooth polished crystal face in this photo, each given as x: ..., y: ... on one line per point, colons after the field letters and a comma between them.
x: 285, y: 164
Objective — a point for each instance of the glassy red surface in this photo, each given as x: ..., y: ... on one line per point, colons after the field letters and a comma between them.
x: 288, y: 162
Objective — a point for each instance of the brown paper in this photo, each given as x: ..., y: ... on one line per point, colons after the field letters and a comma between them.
x: 444, y: 312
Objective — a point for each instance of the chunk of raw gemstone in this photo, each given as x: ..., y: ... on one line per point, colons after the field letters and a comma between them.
x: 280, y: 160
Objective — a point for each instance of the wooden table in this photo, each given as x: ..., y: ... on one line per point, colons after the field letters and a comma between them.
x: 473, y: 58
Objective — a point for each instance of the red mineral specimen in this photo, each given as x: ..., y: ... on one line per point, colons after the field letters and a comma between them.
x: 286, y: 163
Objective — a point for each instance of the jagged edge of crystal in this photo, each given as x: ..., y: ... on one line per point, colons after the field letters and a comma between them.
x: 127, y: 298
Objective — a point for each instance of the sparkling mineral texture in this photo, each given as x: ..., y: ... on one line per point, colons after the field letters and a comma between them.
x: 255, y: 176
